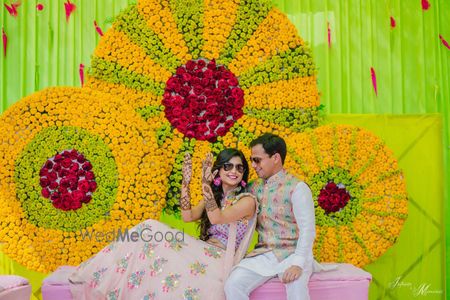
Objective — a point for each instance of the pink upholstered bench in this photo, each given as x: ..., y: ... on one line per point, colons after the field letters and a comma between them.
x: 14, y: 287
x: 346, y: 282
x: 56, y: 286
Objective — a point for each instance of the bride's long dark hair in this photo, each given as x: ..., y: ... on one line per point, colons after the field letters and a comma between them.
x: 224, y: 156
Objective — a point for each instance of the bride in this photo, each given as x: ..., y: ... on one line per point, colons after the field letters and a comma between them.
x: 163, y: 263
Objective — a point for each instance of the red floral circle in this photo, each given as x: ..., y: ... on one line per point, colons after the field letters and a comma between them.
x: 333, y: 198
x: 203, y: 100
x: 67, y: 180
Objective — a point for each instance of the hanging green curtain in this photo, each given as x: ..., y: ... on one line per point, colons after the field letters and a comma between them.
x: 397, y: 44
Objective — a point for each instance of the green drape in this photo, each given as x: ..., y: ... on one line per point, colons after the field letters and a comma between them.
x: 411, y: 64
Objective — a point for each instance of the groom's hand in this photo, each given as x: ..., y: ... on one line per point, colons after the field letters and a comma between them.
x: 292, y: 273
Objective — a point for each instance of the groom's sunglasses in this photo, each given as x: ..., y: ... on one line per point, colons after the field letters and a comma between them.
x: 229, y: 166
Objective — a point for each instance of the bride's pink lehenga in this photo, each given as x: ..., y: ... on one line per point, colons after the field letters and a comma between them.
x: 169, y: 268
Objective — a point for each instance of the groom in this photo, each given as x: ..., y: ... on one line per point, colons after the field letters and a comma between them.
x: 286, y: 227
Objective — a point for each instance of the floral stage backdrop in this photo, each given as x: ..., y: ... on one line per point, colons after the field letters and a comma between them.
x: 155, y: 79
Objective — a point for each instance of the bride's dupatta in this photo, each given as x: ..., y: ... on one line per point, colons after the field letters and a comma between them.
x: 232, y: 255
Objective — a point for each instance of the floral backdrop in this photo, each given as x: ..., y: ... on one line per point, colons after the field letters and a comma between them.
x: 171, y: 77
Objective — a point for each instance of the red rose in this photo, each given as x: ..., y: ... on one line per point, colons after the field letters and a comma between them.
x: 55, y: 196
x: 238, y: 103
x: 81, y: 158
x: 52, y: 176
x: 208, y: 74
x: 201, y: 64
x: 73, y: 154
x: 45, y: 193
x: 83, y: 185
x: 331, y: 186
x: 232, y: 81
x: 191, y: 98
x: 222, y: 84
x: 185, y: 90
x: 44, y: 182
x: 228, y: 123
x: 75, y: 205
x: 92, y: 186
x: 57, y: 167
x: 66, y: 197
x: 87, y: 199
x: 195, y: 81
x: 87, y: 166
x: 212, y: 65
x: 202, y: 128
x: 221, y: 131
x: 48, y: 165
x: 89, y: 175
x: 194, y: 108
x: 53, y: 185
x: 77, y: 196
x: 217, y: 92
x: 204, y: 82
x: 208, y: 92
x: 180, y: 70
x: 190, y: 65
x: 211, y: 137
x: 226, y: 74
x: 73, y: 181
x: 213, y: 124
x: 198, y: 74
x: 237, y: 93
x: 186, y: 77
x: 172, y: 83
x: 64, y: 183
x: 201, y: 99
x: 198, y: 90
x: 58, y: 158
x: 237, y: 113
x: 74, y: 168
x: 177, y: 111
x: 43, y: 172
x: 81, y: 173
x: 190, y: 134
x: 63, y: 173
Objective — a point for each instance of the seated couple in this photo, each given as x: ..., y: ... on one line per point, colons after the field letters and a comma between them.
x: 278, y: 205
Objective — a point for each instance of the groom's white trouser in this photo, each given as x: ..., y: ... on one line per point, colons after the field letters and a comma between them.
x: 242, y: 280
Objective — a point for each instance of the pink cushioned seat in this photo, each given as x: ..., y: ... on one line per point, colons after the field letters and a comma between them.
x: 346, y: 282
x: 56, y: 285
x: 13, y: 287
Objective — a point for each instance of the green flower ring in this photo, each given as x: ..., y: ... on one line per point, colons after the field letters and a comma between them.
x: 46, y: 143
x: 348, y: 213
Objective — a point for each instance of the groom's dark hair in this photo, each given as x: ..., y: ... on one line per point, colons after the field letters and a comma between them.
x: 272, y: 144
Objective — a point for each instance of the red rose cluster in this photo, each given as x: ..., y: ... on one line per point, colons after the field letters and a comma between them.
x: 67, y: 180
x: 333, y: 198
x: 203, y: 100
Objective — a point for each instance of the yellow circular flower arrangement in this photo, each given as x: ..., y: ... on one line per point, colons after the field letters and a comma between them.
x: 359, y: 193
x: 207, y: 75
x: 74, y: 163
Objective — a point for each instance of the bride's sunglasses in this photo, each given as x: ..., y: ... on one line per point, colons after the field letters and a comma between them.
x: 229, y: 166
